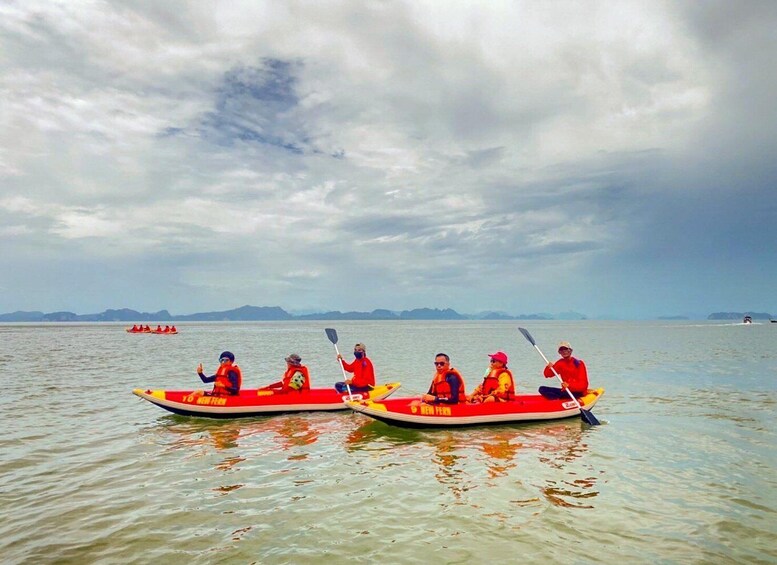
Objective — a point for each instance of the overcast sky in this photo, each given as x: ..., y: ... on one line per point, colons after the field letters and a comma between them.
x: 610, y: 158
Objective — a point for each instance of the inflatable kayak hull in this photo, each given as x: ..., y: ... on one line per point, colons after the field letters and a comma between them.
x: 409, y: 412
x: 256, y: 402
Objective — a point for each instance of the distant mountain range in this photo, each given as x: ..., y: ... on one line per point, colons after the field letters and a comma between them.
x: 276, y: 313
x: 270, y: 313
x: 739, y: 316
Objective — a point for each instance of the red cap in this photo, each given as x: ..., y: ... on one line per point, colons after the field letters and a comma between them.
x: 499, y: 356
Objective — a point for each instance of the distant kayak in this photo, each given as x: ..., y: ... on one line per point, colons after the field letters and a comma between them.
x: 408, y: 412
x: 131, y: 331
x: 256, y: 402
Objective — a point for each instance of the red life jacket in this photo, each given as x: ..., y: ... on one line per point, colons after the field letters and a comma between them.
x: 291, y: 371
x: 222, y: 382
x: 442, y: 389
x: 491, y: 383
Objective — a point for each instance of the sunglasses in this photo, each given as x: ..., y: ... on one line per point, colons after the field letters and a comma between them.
x: 563, y: 349
x: 224, y: 359
x: 495, y: 361
x: 440, y: 363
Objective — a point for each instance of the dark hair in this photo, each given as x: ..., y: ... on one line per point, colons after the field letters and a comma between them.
x: 442, y: 355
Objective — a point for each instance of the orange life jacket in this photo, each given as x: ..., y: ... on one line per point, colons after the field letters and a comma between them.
x: 222, y: 382
x: 291, y: 371
x: 442, y: 389
x: 491, y: 383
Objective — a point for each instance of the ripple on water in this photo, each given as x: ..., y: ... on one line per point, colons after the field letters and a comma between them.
x: 679, y: 472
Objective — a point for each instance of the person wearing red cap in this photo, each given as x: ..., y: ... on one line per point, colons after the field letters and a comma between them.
x: 574, y: 375
x: 498, y: 384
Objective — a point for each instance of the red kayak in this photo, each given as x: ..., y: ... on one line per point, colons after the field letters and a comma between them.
x: 256, y: 402
x: 412, y: 413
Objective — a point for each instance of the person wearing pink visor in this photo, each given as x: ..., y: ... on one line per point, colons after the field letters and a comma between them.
x: 498, y: 384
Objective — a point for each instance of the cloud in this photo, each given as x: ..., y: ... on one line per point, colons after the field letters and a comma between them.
x: 517, y: 156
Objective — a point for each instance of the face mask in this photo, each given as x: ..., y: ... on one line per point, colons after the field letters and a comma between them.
x: 358, y: 354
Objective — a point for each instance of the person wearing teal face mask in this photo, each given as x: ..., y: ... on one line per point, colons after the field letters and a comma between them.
x: 363, y: 372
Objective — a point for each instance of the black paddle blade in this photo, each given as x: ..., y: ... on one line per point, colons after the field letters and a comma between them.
x: 589, y: 418
x: 331, y: 333
x: 527, y: 335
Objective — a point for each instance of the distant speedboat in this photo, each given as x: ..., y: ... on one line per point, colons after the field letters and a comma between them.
x: 747, y: 320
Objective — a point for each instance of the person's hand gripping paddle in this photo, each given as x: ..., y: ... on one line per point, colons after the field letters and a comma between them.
x: 587, y: 416
x: 331, y: 333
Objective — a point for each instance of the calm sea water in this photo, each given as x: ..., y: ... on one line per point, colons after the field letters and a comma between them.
x: 682, y: 469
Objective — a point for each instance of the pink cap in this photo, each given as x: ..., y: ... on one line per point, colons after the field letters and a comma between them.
x: 499, y: 356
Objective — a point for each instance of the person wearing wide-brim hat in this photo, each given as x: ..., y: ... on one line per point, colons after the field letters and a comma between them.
x: 574, y: 375
x: 296, y: 377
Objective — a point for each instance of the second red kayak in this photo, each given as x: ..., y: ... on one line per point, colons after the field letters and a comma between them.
x: 410, y: 412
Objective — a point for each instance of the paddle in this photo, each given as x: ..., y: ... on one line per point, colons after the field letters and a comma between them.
x: 587, y: 416
x: 331, y: 333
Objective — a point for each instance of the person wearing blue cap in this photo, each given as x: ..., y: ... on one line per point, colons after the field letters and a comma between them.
x: 228, y: 378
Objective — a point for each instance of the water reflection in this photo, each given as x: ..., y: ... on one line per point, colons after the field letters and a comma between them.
x: 559, y: 447
x: 224, y: 438
x: 189, y: 433
x: 233, y: 439
x: 449, y: 458
x: 289, y: 431
x: 372, y: 432
x: 559, y: 443
x: 503, y: 450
